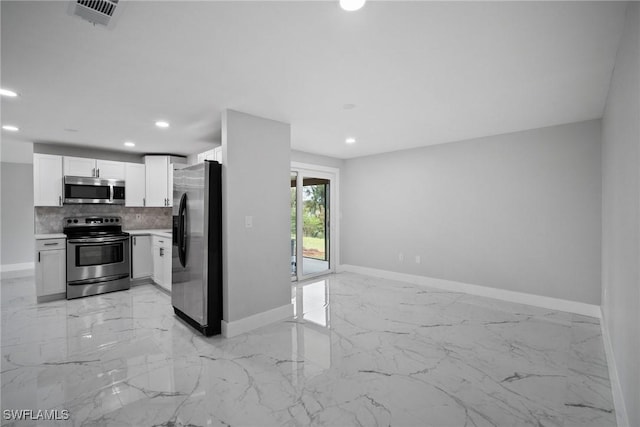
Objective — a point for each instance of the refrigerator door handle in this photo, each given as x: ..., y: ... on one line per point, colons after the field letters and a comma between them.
x: 182, y: 230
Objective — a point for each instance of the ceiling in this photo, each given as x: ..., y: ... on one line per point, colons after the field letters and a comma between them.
x: 418, y: 73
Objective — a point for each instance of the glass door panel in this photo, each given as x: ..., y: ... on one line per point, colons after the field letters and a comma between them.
x: 294, y: 225
x: 315, y: 225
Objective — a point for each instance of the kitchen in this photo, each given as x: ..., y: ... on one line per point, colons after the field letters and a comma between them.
x: 482, y: 162
x: 104, y: 225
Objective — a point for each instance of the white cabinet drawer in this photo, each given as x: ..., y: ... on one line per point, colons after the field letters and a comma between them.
x: 50, y: 244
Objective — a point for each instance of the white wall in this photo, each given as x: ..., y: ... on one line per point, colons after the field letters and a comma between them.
x: 91, y: 153
x: 17, y: 237
x: 255, y: 182
x: 16, y: 204
x: 519, y: 211
x: 12, y: 151
x: 621, y: 214
x: 315, y: 159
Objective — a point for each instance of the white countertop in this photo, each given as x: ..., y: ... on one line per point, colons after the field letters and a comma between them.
x: 158, y: 232
x: 162, y: 232
x: 50, y: 236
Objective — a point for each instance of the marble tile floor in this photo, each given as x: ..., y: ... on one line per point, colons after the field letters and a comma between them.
x: 359, y: 351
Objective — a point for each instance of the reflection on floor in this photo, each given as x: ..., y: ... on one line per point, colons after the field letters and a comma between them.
x: 311, y: 266
x: 359, y: 351
x: 314, y: 266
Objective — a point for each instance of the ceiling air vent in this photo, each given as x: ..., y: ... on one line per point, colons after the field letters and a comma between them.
x: 95, y: 11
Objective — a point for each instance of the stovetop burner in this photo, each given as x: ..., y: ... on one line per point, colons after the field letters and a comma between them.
x: 92, y: 226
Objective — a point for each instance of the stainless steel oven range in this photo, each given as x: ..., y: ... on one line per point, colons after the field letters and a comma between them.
x: 97, y: 256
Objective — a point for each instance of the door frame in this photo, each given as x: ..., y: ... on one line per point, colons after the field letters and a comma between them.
x: 333, y: 175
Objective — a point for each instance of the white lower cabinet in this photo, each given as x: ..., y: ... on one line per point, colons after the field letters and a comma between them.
x: 161, y: 249
x: 141, y: 261
x: 151, y: 258
x: 51, y: 269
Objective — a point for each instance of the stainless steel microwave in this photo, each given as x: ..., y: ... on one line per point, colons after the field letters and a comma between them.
x: 81, y: 190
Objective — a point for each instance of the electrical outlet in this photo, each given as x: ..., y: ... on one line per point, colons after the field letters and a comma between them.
x: 401, y: 257
x: 248, y: 221
x: 418, y: 259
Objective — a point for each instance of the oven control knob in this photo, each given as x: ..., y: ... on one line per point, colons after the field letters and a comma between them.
x: 75, y: 221
x: 117, y: 220
x: 68, y: 221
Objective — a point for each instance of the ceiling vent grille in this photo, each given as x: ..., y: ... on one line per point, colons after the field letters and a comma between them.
x: 95, y: 11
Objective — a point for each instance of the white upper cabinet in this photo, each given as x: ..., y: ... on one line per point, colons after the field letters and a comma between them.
x: 79, y: 166
x: 47, y: 180
x: 159, y: 179
x: 213, y: 154
x: 110, y: 169
x: 217, y: 155
x: 170, y: 185
x: 149, y: 184
x: 134, y: 181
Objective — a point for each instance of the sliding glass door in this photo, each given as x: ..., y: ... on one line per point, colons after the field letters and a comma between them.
x: 315, y: 225
x: 311, y: 231
x: 294, y: 225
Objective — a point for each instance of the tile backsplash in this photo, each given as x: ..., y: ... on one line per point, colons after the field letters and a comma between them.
x: 49, y: 219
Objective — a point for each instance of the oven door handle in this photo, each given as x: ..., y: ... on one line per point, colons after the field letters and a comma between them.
x: 99, y: 240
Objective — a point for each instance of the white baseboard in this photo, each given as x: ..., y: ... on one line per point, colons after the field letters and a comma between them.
x: 17, y: 267
x: 237, y: 327
x: 584, y: 309
x: 616, y: 388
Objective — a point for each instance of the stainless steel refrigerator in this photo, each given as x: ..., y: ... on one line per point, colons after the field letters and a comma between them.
x: 196, y: 273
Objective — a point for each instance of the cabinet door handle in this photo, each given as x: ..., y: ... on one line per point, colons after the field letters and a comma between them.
x: 38, y: 256
x: 134, y: 240
x: 51, y: 244
x: 98, y: 173
x: 144, y: 201
x: 161, y: 251
x: 93, y: 172
x: 60, y: 200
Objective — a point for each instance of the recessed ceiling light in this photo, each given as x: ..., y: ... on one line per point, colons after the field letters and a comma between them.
x: 162, y: 124
x: 130, y: 144
x: 10, y: 128
x: 349, y: 106
x: 351, y: 5
x: 7, y: 92
x: 350, y: 140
